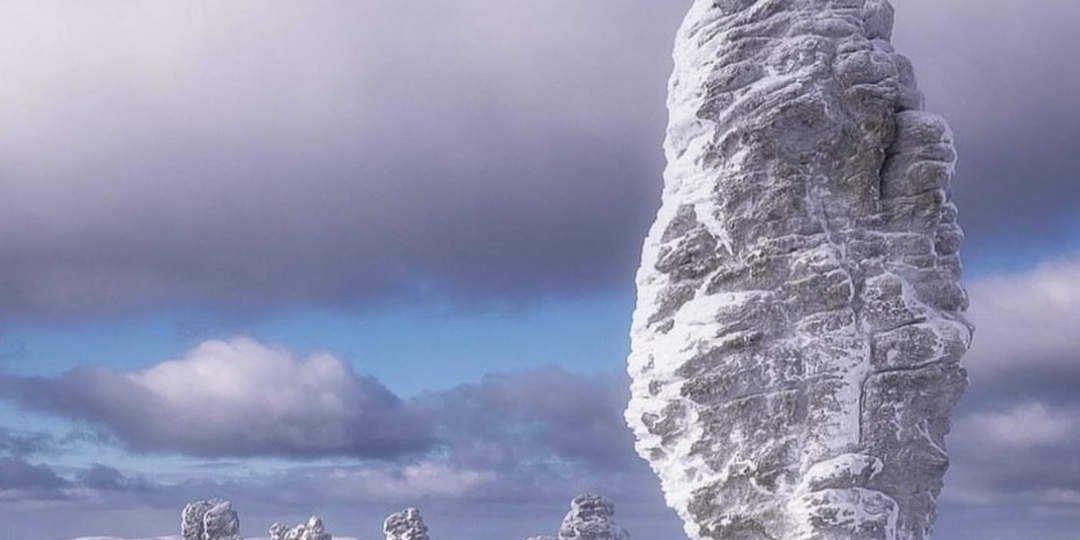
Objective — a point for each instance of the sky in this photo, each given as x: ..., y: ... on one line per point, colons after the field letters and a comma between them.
x: 342, y: 257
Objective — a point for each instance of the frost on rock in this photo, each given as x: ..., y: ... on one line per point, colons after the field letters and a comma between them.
x: 312, y: 530
x: 405, y: 525
x: 209, y: 520
x: 590, y: 518
x: 797, y: 340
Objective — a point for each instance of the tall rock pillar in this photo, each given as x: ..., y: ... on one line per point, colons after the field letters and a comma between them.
x: 797, y: 339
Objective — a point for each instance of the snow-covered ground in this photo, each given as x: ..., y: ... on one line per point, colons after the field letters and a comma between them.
x: 115, y: 538
x: 178, y: 538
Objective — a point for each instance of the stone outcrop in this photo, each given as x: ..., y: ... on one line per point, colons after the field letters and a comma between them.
x: 405, y: 525
x: 210, y: 520
x: 591, y: 517
x: 311, y: 530
x: 797, y: 340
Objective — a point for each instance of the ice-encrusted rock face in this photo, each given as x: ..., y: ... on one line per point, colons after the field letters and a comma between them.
x: 313, y: 529
x: 210, y: 520
x: 405, y: 525
x: 591, y: 518
x: 799, y: 328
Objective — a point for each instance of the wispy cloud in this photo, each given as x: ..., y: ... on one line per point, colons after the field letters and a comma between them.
x: 18, y: 443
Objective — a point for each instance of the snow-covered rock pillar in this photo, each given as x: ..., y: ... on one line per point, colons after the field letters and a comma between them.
x: 313, y: 529
x: 797, y: 340
x: 214, y: 519
x: 405, y: 525
x: 591, y: 517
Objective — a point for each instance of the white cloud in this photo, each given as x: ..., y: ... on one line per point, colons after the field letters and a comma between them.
x: 237, y: 397
x: 221, y: 383
x: 1024, y: 427
x: 1016, y: 441
x: 225, y: 389
x: 1026, y: 320
x: 409, y: 483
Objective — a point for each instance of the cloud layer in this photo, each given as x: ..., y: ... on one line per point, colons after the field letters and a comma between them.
x: 1015, y: 435
x: 531, y: 439
x: 503, y: 438
x: 158, y: 157
x: 235, y: 157
x: 236, y: 398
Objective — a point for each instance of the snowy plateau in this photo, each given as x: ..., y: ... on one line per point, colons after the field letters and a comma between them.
x: 591, y: 517
x: 179, y: 538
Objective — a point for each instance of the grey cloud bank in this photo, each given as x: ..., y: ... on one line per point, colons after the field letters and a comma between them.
x: 235, y: 159
x: 317, y: 157
x: 1016, y: 435
x: 509, y: 437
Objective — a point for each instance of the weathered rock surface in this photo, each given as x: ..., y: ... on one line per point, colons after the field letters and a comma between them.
x: 311, y: 530
x: 405, y: 525
x: 210, y: 520
x: 591, y: 517
x: 797, y: 340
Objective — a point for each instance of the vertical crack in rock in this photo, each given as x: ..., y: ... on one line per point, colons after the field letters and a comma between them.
x: 797, y: 340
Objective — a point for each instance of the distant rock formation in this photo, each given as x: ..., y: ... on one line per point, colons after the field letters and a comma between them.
x: 210, y: 520
x: 405, y: 525
x: 797, y: 340
x: 311, y: 530
x: 591, y: 518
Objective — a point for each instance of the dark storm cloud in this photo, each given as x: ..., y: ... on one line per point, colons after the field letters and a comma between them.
x: 332, y: 154
x: 1001, y: 72
x: 341, y: 154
